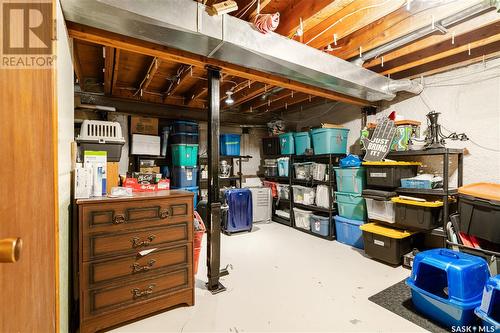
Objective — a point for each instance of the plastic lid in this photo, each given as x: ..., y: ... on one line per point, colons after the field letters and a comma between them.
x: 385, y: 231
x: 418, y: 203
x: 392, y: 163
x: 489, y: 191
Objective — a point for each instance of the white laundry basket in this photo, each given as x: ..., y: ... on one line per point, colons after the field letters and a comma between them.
x: 99, y: 135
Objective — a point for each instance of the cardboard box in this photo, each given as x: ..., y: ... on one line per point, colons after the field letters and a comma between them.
x: 142, y: 125
x: 113, y: 177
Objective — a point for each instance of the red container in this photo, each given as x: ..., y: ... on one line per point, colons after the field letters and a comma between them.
x: 273, y: 186
x: 198, y: 238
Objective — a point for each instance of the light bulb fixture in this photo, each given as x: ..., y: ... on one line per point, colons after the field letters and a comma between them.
x: 329, y: 48
x: 229, y: 99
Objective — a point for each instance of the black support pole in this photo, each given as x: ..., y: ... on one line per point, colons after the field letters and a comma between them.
x: 214, y: 205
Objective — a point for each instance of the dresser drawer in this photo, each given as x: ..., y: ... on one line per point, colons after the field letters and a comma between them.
x: 99, y: 301
x: 138, y: 214
x: 102, y: 245
x: 135, y: 266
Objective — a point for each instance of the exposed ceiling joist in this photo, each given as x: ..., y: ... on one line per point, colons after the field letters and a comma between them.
x: 311, y: 13
x: 109, y: 64
x: 184, y: 71
x: 348, y: 20
x: 78, y: 67
x: 257, y: 89
x: 263, y: 4
x: 115, y: 71
x: 146, y: 81
x: 264, y: 103
x: 134, y: 45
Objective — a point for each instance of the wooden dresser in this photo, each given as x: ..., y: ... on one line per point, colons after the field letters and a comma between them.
x: 132, y: 257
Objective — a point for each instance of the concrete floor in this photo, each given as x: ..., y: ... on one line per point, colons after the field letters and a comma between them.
x: 284, y: 280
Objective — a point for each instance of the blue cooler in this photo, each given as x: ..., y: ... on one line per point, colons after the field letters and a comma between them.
x: 230, y: 144
x: 489, y: 311
x: 329, y: 140
x: 446, y: 286
x: 351, y: 205
x: 193, y: 189
x: 302, y: 142
x: 287, y: 143
x: 348, y: 232
x: 184, y: 176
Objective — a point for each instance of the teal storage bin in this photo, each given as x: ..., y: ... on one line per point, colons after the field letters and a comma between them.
x: 329, y: 140
x: 302, y: 142
x: 351, y: 205
x: 184, y: 155
x: 351, y: 180
x: 287, y: 143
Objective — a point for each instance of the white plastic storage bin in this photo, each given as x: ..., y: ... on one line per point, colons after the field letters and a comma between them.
x: 261, y: 203
x: 303, y: 170
x: 282, y: 213
x: 302, y: 218
x: 145, y: 145
x: 283, y: 191
x: 99, y: 135
x: 304, y: 195
x: 322, y: 196
x: 381, y: 210
x: 318, y: 171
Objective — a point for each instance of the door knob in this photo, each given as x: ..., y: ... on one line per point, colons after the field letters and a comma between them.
x: 10, y: 249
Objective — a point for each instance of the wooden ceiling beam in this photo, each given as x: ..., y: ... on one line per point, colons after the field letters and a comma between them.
x: 109, y: 64
x: 479, y: 52
x: 257, y: 89
x: 263, y: 4
x: 348, y: 20
x: 78, y: 66
x: 467, y: 32
x: 154, y: 97
x: 396, y: 24
x: 263, y: 103
x: 107, y: 38
x: 462, y: 43
x: 183, y: 72
x: 311, y: 12
x: 288, y: 101
x: 115, y: 71
x: 146, y: 81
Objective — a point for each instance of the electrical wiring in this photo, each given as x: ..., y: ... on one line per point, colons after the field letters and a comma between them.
x: 348, y: 15
x: 245, y: 9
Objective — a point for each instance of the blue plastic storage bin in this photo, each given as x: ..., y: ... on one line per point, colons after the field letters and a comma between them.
x: 489, y: 311
x: 347, y: 231
x: 283, y: 166
x: 184, y: 176
x: 320, y: 224
x: 193, y: 189
x: 329, y: 140
x: 351, y: 205
x: 302, y: 142
x: 287, y: 143
x: 446, y: 286
x: 351, y: 180
x: 230, y: 144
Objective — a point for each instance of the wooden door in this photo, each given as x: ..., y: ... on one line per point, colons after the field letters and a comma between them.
x: 28, y: 195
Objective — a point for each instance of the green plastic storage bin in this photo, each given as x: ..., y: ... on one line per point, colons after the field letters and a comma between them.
x: 184, y: 155
x: 302, y: 142
x: 329, y: 140
x: 351, y: 180
x: 287, y: 143
x: 351, y: 205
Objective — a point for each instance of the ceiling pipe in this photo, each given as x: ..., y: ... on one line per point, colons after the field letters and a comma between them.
x: 439, y: 26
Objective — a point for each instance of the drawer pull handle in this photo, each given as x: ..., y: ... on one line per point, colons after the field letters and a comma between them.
x: 164, y: 213
x: 136, y: 241
x: 136, y: 268
x: 118, y: 219
x: 143, y: 293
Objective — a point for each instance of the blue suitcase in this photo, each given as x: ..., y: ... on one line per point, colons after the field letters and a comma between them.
x: 237, y: 215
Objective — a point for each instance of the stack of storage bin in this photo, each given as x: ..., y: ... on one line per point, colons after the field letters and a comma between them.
x: 184, y: 139
x: 387, y: 238
x: 350, y: 204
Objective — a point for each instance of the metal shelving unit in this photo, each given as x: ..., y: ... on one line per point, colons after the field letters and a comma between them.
x: 233, y: 179
x: 330, y: 160
x: 444, y: 192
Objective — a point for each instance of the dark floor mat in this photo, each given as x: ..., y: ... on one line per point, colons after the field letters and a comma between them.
x: 397, y: 299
